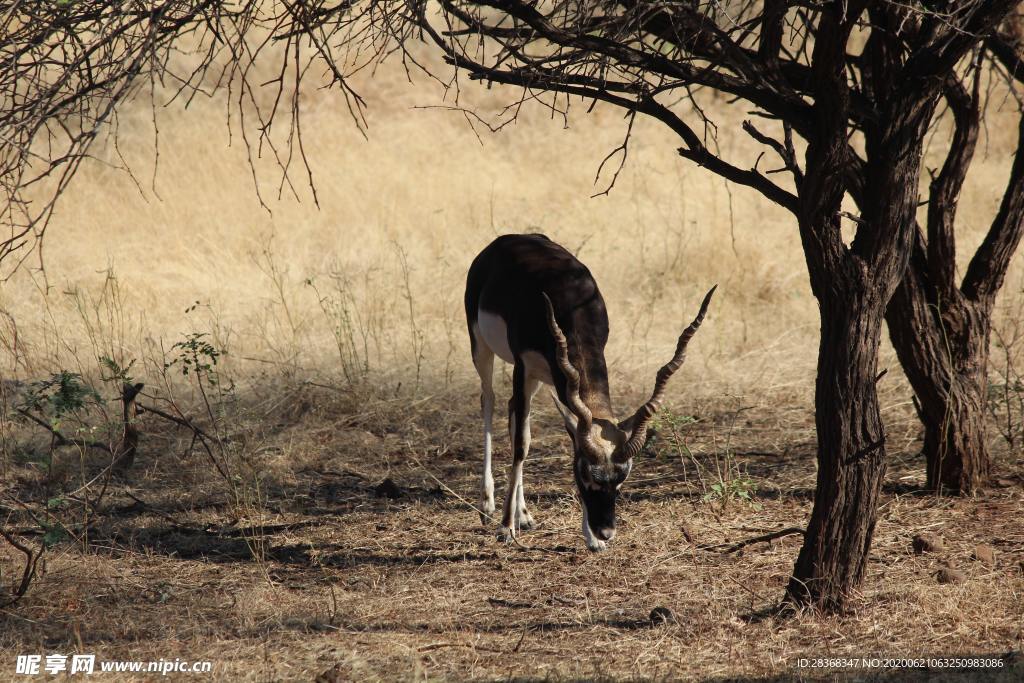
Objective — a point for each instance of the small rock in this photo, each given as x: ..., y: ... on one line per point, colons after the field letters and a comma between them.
x: 927, y: 543
x: 950, y: 575
x: 662, y: 615
x: 986, y: 555
x: 387, y: 489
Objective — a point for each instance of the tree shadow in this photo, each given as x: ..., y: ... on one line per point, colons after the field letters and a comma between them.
x: 254, y: 543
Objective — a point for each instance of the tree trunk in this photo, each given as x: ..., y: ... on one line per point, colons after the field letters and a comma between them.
x: 851, y: 445
x: 941, y: 330
x: 853, y: 283
x: 943, y: 347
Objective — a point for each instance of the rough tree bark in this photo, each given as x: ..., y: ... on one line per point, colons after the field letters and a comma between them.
x: 853, y: 285
x: 940, y: 329
x: 942, y: 343
x: 851, y: 452
x: 940, y: 336
x: 853, y: 291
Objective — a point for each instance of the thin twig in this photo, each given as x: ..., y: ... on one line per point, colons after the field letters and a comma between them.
x: 31, y: 560
x: 61, y: 439
x: 733, y: 547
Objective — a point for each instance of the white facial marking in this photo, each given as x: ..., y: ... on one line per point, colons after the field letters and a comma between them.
x: 594, y: 544
x: 604, y: 445
x: 629, y: 470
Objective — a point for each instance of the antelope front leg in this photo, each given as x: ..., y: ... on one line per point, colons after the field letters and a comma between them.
x: 524, y: 520
x: 515, y: 516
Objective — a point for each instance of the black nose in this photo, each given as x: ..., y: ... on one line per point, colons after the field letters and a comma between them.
x: 605, y: 533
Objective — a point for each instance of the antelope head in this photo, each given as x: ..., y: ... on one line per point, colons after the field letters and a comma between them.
x: 603, y: 448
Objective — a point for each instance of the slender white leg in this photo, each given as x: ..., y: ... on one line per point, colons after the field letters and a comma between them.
x: 484, y: 361
x: 514, y: 513
x: 524, y: 520
x: 510, y: 517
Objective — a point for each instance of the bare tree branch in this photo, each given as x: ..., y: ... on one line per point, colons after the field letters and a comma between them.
x: 987, y: 269
x: 946, y: 186
x: 65, y: 68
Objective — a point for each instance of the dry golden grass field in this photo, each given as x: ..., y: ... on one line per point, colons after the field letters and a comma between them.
x: 340, y: 542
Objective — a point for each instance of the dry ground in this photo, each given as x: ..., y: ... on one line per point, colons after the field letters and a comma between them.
x: 360, y: 558
x: 347, y: 349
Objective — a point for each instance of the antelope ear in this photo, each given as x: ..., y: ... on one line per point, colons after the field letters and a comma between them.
x: 568, y: 418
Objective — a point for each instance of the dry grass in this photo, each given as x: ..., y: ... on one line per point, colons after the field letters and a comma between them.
x: 380, y: 588
x: 347, y: 349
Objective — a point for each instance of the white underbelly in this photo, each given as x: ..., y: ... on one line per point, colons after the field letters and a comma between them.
x: 492, y: 331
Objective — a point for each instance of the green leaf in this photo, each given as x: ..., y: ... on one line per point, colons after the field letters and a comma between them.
x: 53, y: 536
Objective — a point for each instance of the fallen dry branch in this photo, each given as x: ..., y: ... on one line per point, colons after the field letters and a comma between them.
x: 29, y: 571
x: 733, y: 547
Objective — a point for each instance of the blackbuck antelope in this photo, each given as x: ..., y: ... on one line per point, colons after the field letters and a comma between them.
x: 534, y: 304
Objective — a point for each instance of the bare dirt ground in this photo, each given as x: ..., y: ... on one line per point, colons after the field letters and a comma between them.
x: 360, y: 557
